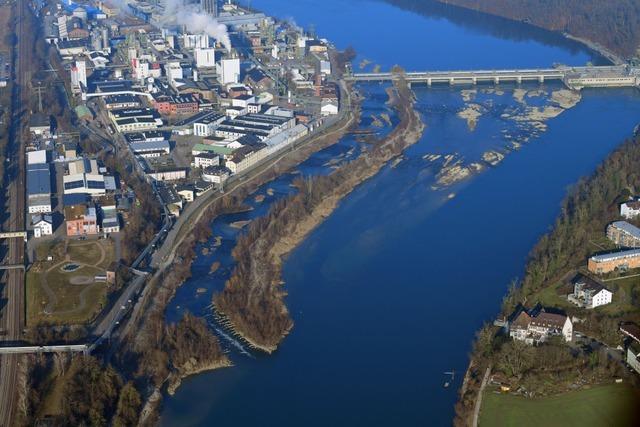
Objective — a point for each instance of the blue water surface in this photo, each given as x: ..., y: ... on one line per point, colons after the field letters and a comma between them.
x: 388, y: 292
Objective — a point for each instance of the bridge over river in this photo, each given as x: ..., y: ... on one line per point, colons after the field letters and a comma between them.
x: 572, y: 77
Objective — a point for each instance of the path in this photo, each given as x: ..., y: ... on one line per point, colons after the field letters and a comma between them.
x: 53, y: 300
x: 476, y: 411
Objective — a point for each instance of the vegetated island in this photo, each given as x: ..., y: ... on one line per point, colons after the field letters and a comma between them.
x: 556, y: 367
x: 252, y: 302
x: 611, y: 27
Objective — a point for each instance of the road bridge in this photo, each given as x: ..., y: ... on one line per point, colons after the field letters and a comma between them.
x: 573, y: 77
x: 78, y: 348
x: 12, y: 267
x: 13, y: 235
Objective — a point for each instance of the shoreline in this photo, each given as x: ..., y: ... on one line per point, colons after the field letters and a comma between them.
x: 406, y: 133
x: 175, y: 378
x: 155, y: 295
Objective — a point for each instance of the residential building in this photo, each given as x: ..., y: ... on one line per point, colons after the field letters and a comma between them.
x: 215, y: 174
x: 632, y: 344
x: 206, y: 159
x: 81, y: 220
x: 621, y: 260
x: 589, y: 293
x: 624, y: 234
x: 630, y: 209
x: 537, y: 325
x: 42, y: 225
x: 186, y: 191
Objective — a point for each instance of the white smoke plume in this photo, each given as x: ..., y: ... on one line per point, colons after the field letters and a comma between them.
x: 196, y: 21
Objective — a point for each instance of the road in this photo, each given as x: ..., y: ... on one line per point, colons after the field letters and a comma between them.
x: 13, y: 312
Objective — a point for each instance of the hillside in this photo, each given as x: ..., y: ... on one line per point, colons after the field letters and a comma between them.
x: 613, y: 24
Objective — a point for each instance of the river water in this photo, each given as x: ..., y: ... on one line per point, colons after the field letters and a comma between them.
x: 387, y: 293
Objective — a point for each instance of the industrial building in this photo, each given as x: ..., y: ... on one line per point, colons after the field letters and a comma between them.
x: 128, y: 120
x: 150, y: 148
x: 39, y: 187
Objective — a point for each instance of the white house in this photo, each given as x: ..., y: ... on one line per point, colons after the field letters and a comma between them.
x: 630, y: 209
x: 537, y: 325
x: 589, y: 293
x: 42, y: 225
x: 203, y: 160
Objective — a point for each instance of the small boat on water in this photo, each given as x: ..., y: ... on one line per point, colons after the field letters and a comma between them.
x: 452, y: 373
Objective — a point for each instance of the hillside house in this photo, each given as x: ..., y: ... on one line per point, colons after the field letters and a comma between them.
x: 537, y: 325
x: 589, y: 293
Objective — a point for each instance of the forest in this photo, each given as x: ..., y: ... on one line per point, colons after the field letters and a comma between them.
x: 614, y: 24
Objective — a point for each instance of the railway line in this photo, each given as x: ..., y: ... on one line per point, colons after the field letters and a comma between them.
x: 13, y: 311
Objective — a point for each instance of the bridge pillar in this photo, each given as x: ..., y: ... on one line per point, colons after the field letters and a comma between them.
x: 474, y: 80
x: 452, y: 81
x: 429, y: 82
x: 496, y: 80
x: 519, y: 79
x: 541, y: 79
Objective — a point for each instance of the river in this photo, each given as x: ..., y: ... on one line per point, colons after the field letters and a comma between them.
x: 387, y: 293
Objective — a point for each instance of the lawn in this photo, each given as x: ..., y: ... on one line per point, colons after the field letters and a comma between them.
x: 58, y: 297
x: 610, y: 405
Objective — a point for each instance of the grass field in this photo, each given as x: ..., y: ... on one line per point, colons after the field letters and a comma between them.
x: 610, y: 405
x: 59, y: 297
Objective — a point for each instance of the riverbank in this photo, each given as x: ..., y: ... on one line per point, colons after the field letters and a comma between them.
x: 558, y: 367
x: 602, y: 24
x: 148, y: 316
x: 252, y: 301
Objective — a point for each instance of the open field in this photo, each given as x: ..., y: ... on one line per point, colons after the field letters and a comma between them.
x: 609, y: 405
x: 68, y: 297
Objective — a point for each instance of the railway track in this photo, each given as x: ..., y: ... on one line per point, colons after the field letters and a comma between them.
x: 14, y: 310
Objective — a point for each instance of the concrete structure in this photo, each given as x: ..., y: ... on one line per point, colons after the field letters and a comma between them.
x: 624, y: 234
x: 537, y: 325
x: 205, y: 58
x: 573, y: 77
x: 622, y: 260
x: 589, y: 293
x: 209, y: 7
x: 228, y: 70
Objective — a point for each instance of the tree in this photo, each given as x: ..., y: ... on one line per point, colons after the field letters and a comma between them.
x: 129, y: 405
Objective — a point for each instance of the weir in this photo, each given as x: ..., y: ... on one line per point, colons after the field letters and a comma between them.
x: 573, y: 77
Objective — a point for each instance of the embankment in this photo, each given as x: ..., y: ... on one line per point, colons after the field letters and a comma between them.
x: 252, y: 301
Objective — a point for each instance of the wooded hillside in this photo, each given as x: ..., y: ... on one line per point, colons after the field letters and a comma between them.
x: 614, y: 24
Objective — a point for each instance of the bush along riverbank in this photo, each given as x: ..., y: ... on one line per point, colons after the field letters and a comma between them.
x: 252, y: 302
x: 556, y: 366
